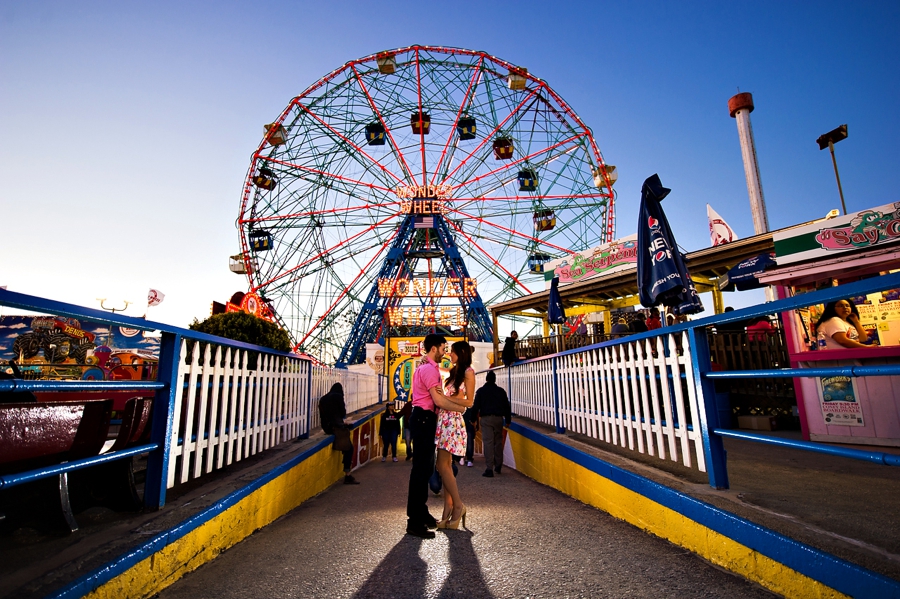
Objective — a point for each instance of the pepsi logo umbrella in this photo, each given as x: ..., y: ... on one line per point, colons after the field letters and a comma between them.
x: 743, y: 276
x: 662, y: 276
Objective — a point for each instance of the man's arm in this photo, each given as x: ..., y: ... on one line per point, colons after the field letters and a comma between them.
x: 444, y: 402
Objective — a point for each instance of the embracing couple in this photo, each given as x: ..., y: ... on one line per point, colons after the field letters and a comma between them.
x: 436, y: 420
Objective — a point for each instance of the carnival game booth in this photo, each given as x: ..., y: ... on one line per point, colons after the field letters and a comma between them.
x: 842, y: 409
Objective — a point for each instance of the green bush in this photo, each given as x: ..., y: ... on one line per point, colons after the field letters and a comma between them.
x: 241, y: 326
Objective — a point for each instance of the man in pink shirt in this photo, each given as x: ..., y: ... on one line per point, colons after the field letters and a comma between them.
x: 426, y: 390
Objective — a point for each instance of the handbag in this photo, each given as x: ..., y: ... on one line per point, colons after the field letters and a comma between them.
x: 342, y: 440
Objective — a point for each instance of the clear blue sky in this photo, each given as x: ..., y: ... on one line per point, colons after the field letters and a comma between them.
x: 126, y: 128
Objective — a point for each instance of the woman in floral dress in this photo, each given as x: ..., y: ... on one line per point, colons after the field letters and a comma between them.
x: 450, y: 436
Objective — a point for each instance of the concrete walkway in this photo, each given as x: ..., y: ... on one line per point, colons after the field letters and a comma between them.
x: 525, y: 540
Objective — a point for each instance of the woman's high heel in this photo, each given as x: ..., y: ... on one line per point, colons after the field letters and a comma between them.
x: 442, y: 523
x: 454, y: 524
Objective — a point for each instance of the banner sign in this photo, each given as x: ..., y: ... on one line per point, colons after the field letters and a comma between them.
x: 605, y: 259
x: 875, y: 227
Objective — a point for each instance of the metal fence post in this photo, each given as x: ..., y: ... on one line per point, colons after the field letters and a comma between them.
x: 708, y: 413
x: 558, y: 421
x: 162, y: 421
x: 305, y: 434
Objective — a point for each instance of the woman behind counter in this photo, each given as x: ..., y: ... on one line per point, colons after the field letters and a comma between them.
x: 840, y: 325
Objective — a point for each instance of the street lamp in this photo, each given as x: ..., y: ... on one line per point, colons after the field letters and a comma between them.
x: 827, y: 140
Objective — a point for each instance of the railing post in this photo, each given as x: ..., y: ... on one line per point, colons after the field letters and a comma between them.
x: 162, y: 421
x: 558, y: 421
x: 305, y: 434
x: 716, y: 465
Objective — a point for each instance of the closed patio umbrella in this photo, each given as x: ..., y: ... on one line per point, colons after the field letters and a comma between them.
x: 556, y: 314
x: 662, y: 276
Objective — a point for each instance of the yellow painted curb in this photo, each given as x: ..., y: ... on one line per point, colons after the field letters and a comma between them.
x: 551, y: 469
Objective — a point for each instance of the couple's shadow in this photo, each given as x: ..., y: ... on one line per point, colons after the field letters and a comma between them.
x: 404, y: 574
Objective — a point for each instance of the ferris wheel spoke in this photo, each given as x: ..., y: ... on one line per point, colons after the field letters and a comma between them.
x: 488, y: 255
x: 347, y: 288
x: 510, y: 231
x: 489, y: 136
x: 322, y: 253
x: 476, y: 76
x: 524, y: 159
x: 358, y: 150
x: 394, y: 147
x: 323, y: 173
x: 367, y: 206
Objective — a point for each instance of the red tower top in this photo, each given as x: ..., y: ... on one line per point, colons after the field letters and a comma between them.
x: 739, y: 102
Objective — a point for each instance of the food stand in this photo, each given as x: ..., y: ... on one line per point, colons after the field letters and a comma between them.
x: 863, y: 410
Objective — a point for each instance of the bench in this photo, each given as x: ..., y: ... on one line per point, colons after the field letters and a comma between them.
x: 56, y: 459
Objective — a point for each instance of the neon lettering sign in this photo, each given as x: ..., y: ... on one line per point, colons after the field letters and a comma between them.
x: 408, y: 192
x: 429, y: 316
x: 426, y: 288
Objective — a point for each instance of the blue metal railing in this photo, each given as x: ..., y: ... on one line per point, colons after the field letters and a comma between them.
x: 167, y: 388
x: 704, y: 376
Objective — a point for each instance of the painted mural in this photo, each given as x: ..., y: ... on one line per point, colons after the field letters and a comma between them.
x: 58, y: 347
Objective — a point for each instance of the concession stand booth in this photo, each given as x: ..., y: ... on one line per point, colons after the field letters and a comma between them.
x: 841, y: 409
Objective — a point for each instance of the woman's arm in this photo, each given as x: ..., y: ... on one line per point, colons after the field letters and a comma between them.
x: 853, y: 319
x: 470, y: 389
x: 846, y: 341
x: 444, y: 402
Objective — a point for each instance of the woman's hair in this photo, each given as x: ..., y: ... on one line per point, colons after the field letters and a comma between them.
x: 829, y: 312
x: 463, y: 353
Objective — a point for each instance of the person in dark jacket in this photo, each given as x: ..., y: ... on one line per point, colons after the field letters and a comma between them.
x: 471, y: 429
x: 404, y: 413
x: 491, y: 408
x: 508, y: 355
x: 389, y: 430
x: 332, y: 412
x: 639, y: 324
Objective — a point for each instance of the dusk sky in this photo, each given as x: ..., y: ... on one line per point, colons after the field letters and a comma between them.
x: 126, y: 129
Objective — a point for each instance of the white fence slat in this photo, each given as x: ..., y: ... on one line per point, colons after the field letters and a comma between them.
x: 675, y: 365
x: 695, y: 435
x: 636, y: 423
x: 176, y: 450
x: 188, y: 444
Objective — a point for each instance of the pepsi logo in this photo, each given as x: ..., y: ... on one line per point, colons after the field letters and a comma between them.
x: 652, y: 222
x: 659, y: 256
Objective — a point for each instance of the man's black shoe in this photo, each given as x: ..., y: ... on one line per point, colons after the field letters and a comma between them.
x: 497, y: 469
x: 419, y: 531
x: 430, y: 522
x: 349, y: 480
x: 488, y: 473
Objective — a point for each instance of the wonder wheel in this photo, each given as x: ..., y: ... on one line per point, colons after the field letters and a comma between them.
x: 418, y: 164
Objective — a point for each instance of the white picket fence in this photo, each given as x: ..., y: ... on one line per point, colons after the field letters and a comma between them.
x: 629, y: 394
x: 229, y: 411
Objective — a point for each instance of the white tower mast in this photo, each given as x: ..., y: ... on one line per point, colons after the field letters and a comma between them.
x: 740, y: 107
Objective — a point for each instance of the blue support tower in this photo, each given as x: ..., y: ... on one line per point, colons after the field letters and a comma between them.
x: 411, y: 245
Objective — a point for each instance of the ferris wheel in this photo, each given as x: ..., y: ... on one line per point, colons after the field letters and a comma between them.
x: 415, y: 150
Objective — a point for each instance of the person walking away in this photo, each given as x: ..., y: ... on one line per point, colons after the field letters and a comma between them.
x: 491, y: 408
x: 332, y: 411
x: 638, y: 325
x: 426, y: 395
x: 654, y: 321
x: 471, y: 428
x: 405, y: 413
x: 389, y: 430
x: 509, y: 350
x: 759, y: 330
x: 620, y: 329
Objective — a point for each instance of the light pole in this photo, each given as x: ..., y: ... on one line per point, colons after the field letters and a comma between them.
x: 827, y: 140
x: 113, y: 310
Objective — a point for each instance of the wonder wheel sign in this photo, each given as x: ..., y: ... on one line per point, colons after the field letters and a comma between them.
x: 405, y: 190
